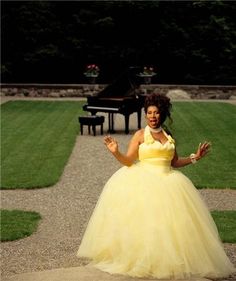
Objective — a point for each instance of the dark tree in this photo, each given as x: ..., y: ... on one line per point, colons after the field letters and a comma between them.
x: 192, y: 42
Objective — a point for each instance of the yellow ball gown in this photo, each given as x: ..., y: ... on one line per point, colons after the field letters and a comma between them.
x: 150, y: 221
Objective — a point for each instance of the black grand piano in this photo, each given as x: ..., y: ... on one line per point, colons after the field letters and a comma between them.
x: 119, y: 97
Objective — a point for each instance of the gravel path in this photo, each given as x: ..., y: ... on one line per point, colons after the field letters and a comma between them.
x: 67, y: 206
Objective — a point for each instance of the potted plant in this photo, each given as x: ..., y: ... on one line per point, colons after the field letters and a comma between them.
x: 147, y: 74
x: 92, y: 72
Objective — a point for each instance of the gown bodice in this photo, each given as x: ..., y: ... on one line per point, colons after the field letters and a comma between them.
x: 154, y: 152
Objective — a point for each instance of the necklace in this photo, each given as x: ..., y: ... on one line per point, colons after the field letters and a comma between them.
x: 156, y: 130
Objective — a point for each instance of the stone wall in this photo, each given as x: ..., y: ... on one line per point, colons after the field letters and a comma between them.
x: 50, y: 90
x: 192, y: 91
x: 86, y: 90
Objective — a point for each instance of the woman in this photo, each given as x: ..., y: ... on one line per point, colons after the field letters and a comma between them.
x: 150, y: 220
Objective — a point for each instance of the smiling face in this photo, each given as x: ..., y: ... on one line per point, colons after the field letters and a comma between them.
x: 153, y: 117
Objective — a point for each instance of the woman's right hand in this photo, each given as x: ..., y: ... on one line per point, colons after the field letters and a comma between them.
x: 111, y: 144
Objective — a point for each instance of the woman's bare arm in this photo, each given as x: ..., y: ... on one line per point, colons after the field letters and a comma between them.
x: 132, y: 152
x: 202, y: 150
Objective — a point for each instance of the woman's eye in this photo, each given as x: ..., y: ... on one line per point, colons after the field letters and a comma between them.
x: 153, y: 113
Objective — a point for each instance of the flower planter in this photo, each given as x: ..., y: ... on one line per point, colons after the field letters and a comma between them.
x: 92, y: 72
x: 92, y: 79
x: 147, y: 79
x: 147, y: 74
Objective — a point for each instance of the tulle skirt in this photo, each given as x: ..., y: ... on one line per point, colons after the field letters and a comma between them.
x: 150, y: 221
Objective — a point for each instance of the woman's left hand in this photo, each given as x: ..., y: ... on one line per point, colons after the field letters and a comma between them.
x: 203, y: 149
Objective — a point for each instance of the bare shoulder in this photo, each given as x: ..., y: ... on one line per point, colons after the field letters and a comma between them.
x: 168, y: 131
x: 139, y: 136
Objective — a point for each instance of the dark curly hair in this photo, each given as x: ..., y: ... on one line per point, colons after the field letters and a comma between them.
x: 162, y: 103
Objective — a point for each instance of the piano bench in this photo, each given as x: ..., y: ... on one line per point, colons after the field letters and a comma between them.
x: 93, y: 121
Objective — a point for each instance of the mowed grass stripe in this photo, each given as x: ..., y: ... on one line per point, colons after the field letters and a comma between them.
x: 226, y: 224
x: 23, y: 127
x: 195, y: 122
x: 17, y: 224
x: 36, y: 149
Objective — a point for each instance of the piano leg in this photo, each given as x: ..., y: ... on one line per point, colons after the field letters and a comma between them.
x: 94, y: 130
x: 81, y: 129
x: 139, y: 113
x: 111, y: 123
x: 127, y: 123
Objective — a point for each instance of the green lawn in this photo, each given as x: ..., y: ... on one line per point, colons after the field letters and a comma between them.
x: 16, y: 224
x: 226, y: 224
x: 37, y: 140
x: 196, y: 122
x: 38, y: 137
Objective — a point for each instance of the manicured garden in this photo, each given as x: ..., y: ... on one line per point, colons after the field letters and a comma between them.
x: 195, y: 122
x: 16, y: 224
x: 226, y: 224
x: 38, y: 137
x: 37, y: 140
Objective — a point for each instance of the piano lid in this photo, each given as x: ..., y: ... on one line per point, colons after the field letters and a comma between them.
x: 124, y: 85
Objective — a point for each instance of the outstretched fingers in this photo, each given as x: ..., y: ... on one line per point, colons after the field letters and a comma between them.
x: 109, y: 140
x: 204, y: 148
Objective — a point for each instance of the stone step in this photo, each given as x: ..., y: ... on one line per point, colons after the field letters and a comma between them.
x: 82, y: 273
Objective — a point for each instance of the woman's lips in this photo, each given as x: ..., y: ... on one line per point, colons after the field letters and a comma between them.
x: 153, y: 123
